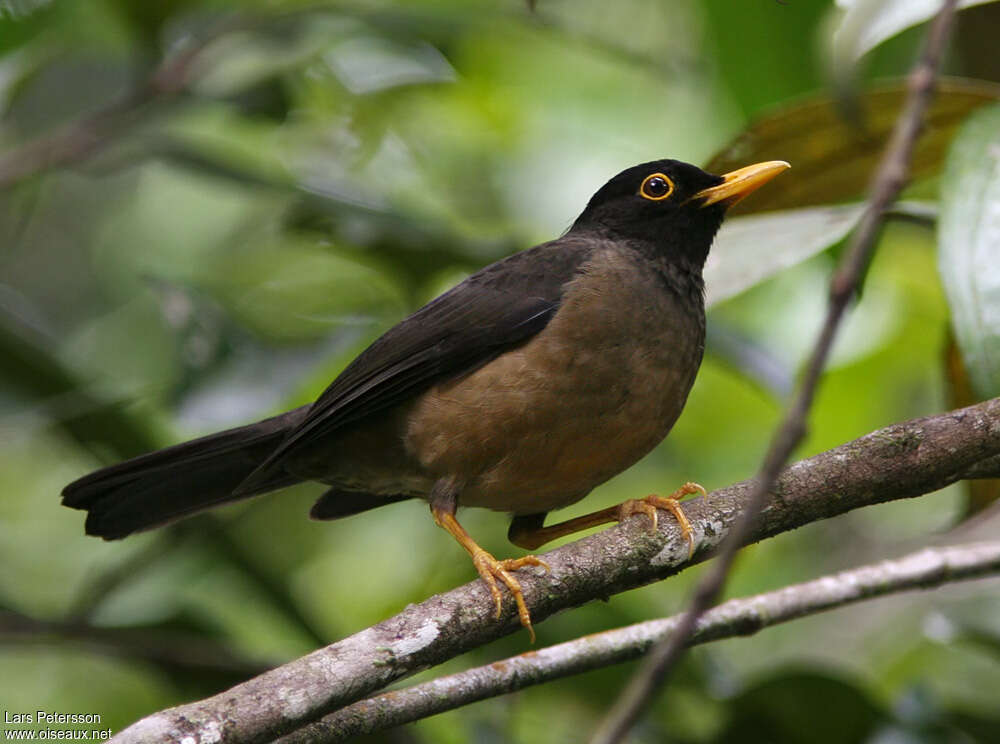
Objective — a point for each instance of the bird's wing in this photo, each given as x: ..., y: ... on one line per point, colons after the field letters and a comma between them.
x: 492, y: 311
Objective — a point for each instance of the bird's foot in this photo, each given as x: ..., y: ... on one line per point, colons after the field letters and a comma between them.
x: 490, y: 569
x: 671, y: 503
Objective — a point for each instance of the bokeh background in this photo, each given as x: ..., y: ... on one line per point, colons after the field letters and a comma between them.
x: 217, y: 254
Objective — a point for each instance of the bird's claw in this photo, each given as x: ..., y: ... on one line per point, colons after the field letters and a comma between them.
x: 671, y: 503
x: 490, y: 569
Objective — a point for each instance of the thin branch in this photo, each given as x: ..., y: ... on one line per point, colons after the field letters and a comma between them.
x: 900, y: 461
x: 171, y: 650
x: 889, y: 181
x: 208, y: 530
x: 925, y: 569
x: 90, y: 134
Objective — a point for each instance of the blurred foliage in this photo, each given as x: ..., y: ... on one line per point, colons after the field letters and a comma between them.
x: 867, y: 24
x: 969, y: 235
x: 220, y: 254
x: 834, y: 146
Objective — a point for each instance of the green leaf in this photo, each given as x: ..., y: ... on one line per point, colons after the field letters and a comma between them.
x: 969, y: 247
x: 293, y: 290
x: 245, y: 58
x: 23, y: 23
x: 832, y: 159
x: 31, y: 368
x: 748, y: 250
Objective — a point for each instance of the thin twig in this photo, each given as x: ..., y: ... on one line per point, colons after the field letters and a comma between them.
x: 209, y: 531
x: 90, y: 134
x: 889, y: 181
x: 900, y: 461
x: 171, y: 650
x: 926, y: 569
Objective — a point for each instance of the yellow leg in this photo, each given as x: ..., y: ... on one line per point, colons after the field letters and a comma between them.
x: 528, y: 532
x: 489, y: 568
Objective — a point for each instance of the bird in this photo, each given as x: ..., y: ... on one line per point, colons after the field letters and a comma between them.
x: 520, y: 389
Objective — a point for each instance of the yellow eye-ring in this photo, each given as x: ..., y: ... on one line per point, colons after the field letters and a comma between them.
x: 656, y: 187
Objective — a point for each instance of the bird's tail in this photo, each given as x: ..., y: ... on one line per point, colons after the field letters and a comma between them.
x: 162, y: 486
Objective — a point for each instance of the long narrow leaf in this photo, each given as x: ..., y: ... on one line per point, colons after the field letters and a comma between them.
x: 832, y: 160
x: 969, y: 247
x: 749, y: 250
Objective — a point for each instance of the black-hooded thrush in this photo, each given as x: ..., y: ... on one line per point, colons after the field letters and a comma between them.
x: 520, y: 390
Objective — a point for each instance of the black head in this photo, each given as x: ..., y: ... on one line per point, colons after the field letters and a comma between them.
x: 671, y: 207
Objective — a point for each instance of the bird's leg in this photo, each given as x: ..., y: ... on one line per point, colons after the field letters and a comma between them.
x: 443, y: 507
x: 527, y: 531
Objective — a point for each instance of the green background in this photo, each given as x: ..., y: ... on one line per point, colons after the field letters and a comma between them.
x: 331, y: 167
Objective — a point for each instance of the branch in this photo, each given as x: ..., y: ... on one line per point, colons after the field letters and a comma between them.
x: 90, y: 134
x: 901, y: 461
x: 170, y: 650
x: 889, y: 181
x: 926, y: 569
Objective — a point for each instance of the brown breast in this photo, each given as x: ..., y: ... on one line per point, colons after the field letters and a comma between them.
x: 597, y: 389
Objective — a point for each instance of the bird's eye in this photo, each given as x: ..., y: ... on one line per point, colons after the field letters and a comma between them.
x: 656, y: 187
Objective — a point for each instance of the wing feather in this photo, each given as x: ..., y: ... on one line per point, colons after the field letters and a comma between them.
x: 489, y: 313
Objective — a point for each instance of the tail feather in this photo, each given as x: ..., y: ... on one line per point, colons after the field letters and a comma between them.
x: 166, y: 485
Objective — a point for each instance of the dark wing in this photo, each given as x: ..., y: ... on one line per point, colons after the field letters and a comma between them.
x: 492, y: 311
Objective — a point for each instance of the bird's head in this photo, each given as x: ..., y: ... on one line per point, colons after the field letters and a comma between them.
x: 672, y: 207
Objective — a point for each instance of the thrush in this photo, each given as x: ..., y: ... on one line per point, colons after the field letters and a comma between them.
x: 522, y: 388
